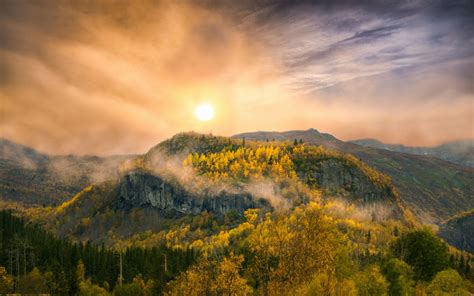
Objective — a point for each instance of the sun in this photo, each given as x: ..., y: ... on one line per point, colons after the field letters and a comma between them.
x: 204, y: 112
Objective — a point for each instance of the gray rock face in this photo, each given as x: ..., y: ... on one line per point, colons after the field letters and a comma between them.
x: 335, y: 178
x: 459, y: 232
x: 140, y: 189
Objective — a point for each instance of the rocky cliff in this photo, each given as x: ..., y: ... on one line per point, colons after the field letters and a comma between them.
x: 140, y: 189
x: 344, y: 178
x: 336, y: 178
x: 459, y: 231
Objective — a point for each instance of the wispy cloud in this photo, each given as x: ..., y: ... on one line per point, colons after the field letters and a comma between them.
x: 118, y: 77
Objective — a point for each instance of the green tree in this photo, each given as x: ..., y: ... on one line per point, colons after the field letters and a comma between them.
x: 447, y: 282
x: 400, y: 277
x: 371, y: 282
x: 422, y: 250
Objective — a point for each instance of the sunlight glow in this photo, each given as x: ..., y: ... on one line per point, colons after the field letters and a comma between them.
x: 204, y: 112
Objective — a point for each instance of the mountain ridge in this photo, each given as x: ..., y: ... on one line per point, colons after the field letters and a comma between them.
x: 460, y: 152
x: 433, y: 188
x: 145, y: 189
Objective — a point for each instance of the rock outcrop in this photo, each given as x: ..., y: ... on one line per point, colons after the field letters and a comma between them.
x: 342, y: 178
x: 140, y: 189
x: 337, y: 179
x: 459, y: 231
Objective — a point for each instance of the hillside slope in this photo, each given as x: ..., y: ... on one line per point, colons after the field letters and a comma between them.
x: 34, y: 178
x: 432, y: 188
x: 460, y: 152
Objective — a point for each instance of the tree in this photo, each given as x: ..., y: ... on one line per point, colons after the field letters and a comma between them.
x: 321, y: 284
x: 228, y: 280
x: 86, y: 288
x: 132, y: 289
x: 32, y: 283
x: 212, y: 277
x: 80, y: 271
x: 447, y: 282
x: 288, y: 249
x: 147, y: 287
x: 194, y: 281
x: 371, y: 282
x: 400, y: 277
x: 6, y: 281
x: 422, y: 250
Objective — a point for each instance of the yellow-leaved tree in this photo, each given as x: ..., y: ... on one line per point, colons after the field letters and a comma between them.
x: 211, y: 277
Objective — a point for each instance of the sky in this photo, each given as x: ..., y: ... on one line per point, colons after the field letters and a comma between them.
x: 117, y: 77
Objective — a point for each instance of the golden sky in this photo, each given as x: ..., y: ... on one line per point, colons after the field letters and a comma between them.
x: 116, y: 77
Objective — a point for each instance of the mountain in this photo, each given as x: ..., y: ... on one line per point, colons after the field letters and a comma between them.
x: 34, y: 178
x: 458, y: 231
x: 157, y: 192
x: 335, y: 174
x: 460, y: 152
x: 433, y: 189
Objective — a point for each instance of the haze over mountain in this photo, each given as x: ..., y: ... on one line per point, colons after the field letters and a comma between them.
x: 32, y: 177
x: 461, y: 152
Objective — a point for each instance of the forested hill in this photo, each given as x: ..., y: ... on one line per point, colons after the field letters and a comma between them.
x: 433, y: 189
x: 33, y: 261
x: 206, y: 183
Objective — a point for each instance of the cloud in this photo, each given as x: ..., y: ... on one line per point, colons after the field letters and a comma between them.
x: 117, y: 77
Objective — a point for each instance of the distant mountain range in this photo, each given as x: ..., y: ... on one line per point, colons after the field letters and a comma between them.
x: 31, y: 177
x: 433, y: 188
x: 461, y: 152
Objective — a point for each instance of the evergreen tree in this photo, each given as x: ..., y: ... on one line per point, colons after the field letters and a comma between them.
x: 424, y: 251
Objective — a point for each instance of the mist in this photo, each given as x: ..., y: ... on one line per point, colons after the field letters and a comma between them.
x: 172, y: 169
